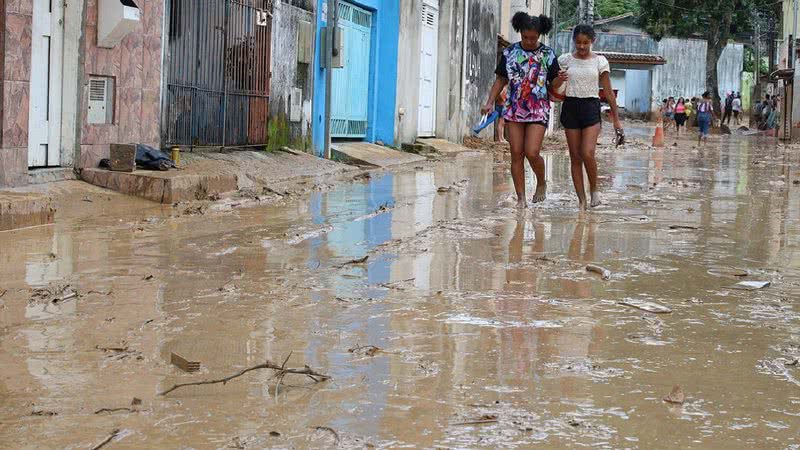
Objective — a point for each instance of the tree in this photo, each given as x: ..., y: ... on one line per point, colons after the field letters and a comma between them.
x: 613, y: 8
x: 716, y: 21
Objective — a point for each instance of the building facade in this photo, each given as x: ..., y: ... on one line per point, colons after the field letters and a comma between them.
x: 57, y: 63
x: 364, y: 83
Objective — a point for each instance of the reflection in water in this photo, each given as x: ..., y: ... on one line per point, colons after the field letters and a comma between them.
x: 480, y: 310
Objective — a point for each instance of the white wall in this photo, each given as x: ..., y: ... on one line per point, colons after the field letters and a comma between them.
x: 72, y: 86
x: 618, y: 83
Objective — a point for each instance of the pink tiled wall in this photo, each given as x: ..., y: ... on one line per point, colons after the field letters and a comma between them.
x: 15, y: 34
x: 135, y: 65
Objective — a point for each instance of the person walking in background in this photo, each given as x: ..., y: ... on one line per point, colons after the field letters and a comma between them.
x: 736, y: 106
x: 705, y: 113
x: 669, y: 116
x: 680, y: 115
x: 766, y: 108
x: 689, y: 113
x: 695, y: 103
x: 728, y: 110
x: 527, y: 68
x: 585, y: 71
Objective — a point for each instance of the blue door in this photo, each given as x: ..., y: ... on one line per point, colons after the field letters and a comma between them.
x: 350, y: 96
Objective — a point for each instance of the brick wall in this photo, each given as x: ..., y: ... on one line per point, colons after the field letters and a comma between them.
x: 15, y: 69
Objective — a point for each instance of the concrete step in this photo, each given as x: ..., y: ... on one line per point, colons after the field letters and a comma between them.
x: 442, y: 146
x: 366, y: 154
x: 50, y: 175
x: 165, y: 187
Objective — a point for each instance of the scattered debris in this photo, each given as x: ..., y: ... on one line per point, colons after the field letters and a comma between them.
x: 194, y: 210
x: 750, y: 285
x: 794, y: 362
x: 132, y: 409
x: 369, y: 350
x: 650, y: 307
x: 113, y: 410
x: 66, y: 297
x: 54, y: 295
x: 486, y: 418
x: 605, y: 274
x: 274, y: 433
x: 300, y: 237
x: 121, y: 348
x: 183, y: 363
x: 574, y: 422
x: 148, y: 278
x: 731, y: 272
x: 396, y: 284
x: 444, y: 189
x: 676, y: 397
x: 43, y: 413
x: 331, y: 430
x: 281, y: 371
x: 88, y: 200
x: 354, y: 262
x: 120, y: 352
x: 214, y: 197
x: 106, y: 440
x: 383, y: 209
x: 3, y: 293
x: 683, y: 227
x: 363, y: 176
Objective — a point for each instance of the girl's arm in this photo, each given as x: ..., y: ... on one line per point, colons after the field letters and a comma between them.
x: 497, y: 88
x: 605, y: 82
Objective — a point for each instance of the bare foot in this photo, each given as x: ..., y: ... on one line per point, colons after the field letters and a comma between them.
x: 596, y: 199
x: 582, y: 205
x: 540, y: 194
x: 521, y: 202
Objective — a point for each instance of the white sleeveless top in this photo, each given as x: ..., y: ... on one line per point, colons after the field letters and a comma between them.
x: 584, y: 74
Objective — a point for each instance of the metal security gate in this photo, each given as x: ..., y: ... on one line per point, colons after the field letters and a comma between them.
x: 350, y: 84
x: 217, y: 72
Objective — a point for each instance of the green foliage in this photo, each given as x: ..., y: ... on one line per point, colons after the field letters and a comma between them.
x: 750, y: 62
x: 612, y: 8
x: 568, y: 10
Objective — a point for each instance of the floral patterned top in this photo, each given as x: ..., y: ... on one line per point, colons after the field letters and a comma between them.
x: 528, y: 74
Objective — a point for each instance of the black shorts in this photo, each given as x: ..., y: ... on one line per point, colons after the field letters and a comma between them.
x: 580, y: 113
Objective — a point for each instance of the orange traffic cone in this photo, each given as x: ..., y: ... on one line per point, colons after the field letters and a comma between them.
x: 658, y: 138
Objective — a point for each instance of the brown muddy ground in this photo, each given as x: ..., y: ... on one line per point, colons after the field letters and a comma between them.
x: 478, y: 312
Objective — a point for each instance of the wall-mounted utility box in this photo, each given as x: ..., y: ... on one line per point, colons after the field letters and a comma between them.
x: 115, y: 19
x: 338, y: 48
x: 305, y: 42
x: 101, y: 100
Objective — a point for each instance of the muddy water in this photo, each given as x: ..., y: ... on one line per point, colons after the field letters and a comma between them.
x: 482, y: 313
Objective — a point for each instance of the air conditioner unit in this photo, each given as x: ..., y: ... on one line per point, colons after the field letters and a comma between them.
x: 115, y: 20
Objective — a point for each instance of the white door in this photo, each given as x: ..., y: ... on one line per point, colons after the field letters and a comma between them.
x: 44, y: 125
x: 427, y: 71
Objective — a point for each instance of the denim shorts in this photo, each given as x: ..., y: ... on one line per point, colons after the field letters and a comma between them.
x: 704, y: 122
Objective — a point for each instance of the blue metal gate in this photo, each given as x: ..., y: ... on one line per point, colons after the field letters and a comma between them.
x: 350, y: 84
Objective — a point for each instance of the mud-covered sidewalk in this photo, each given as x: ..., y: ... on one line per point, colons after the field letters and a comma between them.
x: 443, y: 316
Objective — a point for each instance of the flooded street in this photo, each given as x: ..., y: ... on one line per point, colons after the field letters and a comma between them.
x: 469, y: 325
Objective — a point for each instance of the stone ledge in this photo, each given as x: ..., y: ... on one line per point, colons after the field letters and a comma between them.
x: 163, y: 187
x: 24, y: 209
